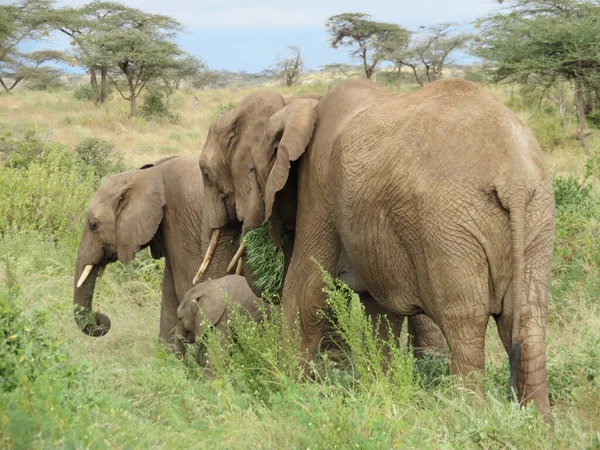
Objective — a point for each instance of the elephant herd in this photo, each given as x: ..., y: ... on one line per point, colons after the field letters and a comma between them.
x: 434, y: 205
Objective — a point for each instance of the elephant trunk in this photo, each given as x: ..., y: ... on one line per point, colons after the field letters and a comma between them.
x: 92, y: 324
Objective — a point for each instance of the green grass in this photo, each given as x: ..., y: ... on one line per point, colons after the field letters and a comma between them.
x: 62, y: 389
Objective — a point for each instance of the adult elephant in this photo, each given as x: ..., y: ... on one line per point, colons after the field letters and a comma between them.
x: 435, y: 201
x: 160, y: 206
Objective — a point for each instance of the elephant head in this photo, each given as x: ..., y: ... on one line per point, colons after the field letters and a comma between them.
x: 122, y: 217
x: 203, y: 306
x: 246, y: 160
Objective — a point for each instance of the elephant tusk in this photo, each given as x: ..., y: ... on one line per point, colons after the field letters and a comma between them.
x: 84, y: 275
x: 238, y: 270
x: 214, y: 239
x: 237, y: 256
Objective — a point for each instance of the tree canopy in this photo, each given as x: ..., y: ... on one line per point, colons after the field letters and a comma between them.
x: 21, y: 21
x: 367, y: 39
x: 131, y: 48
x: 544, y: 42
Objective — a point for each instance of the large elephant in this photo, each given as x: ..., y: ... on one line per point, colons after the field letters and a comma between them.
x: 161, y: 206
x: 435, y: 201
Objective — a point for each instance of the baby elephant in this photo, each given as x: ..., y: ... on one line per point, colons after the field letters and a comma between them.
x: 205, y: 305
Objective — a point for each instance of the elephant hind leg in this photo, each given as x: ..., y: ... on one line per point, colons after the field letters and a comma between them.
x: 464, y: 330
x: 425, y: 335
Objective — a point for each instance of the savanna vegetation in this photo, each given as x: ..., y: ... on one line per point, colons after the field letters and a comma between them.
x: 62, y: 389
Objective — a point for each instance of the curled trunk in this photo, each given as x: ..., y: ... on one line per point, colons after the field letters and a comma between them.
x: 92, y: 324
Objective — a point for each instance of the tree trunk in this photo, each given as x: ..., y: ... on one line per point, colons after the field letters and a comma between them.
x: 132, y: 98
x: 94, y: 83
x: 4, y: 85
x: 103, y: 71
x: 580, y: 109
x: 132, y: 104
x: 399, y: 82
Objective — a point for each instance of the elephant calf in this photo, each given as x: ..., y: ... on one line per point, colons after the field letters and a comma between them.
x: 206, y: 305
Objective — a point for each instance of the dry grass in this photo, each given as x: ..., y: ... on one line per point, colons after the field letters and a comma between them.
x: 61, y: 117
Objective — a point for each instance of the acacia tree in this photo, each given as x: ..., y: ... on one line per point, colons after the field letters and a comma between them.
x: 289, y: 68
x: 136, y: 47
x: 367, y: 39
x: 186, y: 68
x: 21, y: 21
x: 545, y: 42
x: 432, y: 51
x: 80, y: 23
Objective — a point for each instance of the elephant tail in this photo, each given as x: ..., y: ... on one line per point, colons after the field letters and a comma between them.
x: 516, y: 206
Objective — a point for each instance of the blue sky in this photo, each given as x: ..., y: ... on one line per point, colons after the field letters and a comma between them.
x: 248, y: 35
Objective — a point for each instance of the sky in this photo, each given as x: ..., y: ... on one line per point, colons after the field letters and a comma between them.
x: 248, y: 35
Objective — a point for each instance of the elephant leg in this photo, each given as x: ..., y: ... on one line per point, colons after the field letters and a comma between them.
x: 425, y: 335
x: 465, y: 334
x: 303, y: 296
x: 168, y: 309
x: 459, y: 304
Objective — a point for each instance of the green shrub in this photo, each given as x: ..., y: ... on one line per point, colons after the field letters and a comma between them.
x: 100, y: 155
x: 50, y: 194
x: 593, y: 119
x: 154, y: 108
x: 549, y: 129
x: 374, y: 362
x: 570, y: 193
x: 18, y: 150
x: 84, y: 92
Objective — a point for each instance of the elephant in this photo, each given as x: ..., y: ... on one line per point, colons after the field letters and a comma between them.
x: 434, y: 202
x: 160, y: 206
x: 206, y: 305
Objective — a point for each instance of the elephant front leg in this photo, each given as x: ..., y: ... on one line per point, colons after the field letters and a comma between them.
x: 303, y: 297
x: 168, y: 309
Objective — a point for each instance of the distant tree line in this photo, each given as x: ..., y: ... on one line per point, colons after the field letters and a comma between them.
x: 116, y: 45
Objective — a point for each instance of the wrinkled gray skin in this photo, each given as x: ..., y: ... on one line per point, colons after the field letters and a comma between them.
x: 436, y: 201
x: 230, y: 177
x: 160, y: 206
x: 208, y: 304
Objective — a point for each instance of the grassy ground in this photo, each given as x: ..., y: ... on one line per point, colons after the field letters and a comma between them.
x: 62, y: 389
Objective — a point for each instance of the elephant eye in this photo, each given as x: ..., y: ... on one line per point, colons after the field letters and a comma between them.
x: 93, y: 225
x: 230, y: 141
x: 206, y: 176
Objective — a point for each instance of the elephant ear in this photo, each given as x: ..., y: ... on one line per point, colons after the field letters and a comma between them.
x: 213, y: 306
x: 139, y: 211
x: 289, y: 133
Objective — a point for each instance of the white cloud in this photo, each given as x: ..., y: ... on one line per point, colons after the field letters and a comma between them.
x: 210, y: 14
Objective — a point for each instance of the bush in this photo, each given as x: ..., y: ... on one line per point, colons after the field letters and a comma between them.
x: 84, y: 92
x: 548, y: 128
x: 570, y: 193
x: 22, y: 345
x: 18, y: 151
x: 155, y: 108
x: 593, y: 119
x: 100, y: 155
x: 49, y: 194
